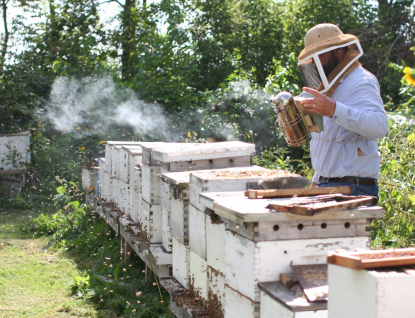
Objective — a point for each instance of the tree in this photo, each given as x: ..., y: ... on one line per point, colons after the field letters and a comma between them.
x: 228, y: 35
x: 5, y: 43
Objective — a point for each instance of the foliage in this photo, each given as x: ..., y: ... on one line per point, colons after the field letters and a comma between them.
x: 285, y: 158
x: 107, y: 279
x: 397, y: 178
x: 219, y: 52
x: 397, y: 186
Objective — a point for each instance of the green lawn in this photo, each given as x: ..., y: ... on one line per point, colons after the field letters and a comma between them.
x: 36, y: 281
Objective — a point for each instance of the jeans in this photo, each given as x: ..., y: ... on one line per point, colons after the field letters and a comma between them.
x: 357, y: 189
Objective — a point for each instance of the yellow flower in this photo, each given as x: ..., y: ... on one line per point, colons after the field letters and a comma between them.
x: 78, y: 128
x: 81, y: 148
x: 102, y: 142
x: 409, y: 76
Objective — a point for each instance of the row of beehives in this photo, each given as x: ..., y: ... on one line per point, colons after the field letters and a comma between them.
x: 150, y: 183
x: 222, y: 260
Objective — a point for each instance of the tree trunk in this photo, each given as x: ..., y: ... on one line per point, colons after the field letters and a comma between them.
x: 6, y: 37
x: 54, y: 34
x: 129, y: 24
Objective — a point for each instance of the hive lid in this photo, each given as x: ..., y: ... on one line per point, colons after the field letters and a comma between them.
x: 151, y: 144
x: 113, y: 143
x: 134, y: 149
x: 22, y: 133
x: 233, y: 173
x: 205, y: 151
x: 235, y: 206
x: 180, y: 179
x: 373, y: 259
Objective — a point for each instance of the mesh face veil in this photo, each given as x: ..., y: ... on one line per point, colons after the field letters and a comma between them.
x: 313, y: 72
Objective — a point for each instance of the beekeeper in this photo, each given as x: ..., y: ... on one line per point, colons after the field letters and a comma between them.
x: 348, y: 96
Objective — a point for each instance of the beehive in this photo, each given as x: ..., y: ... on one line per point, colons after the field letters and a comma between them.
x: 135, y: 155
x: 197, y: 156
x: 151, y: 220
x: 14, y: 151
x: 175, y: 202
x: 101, y: 176
x: 88, y: 179
x: 374, y: 284
x: 107, y: 187
x: 109, y: 147
x: 136, y: 196
x: 256, y: 251
x: 180, y: 262
x: 162, y: 158
x: 204, y: 180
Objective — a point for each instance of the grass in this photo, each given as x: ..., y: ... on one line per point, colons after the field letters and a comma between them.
x: 35, y: 281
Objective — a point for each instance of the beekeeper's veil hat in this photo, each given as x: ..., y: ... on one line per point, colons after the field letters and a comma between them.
x: 320, y: 39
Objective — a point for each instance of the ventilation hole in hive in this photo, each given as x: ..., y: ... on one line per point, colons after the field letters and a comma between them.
x: 347, y: 225
x: 276, y: 227
x: 210, y: 161
x: 324, y: 226
x: 300, y: 226
x: 230, y: 160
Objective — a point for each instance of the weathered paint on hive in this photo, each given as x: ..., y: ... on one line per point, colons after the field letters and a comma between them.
x: 181, y: 262
x: 239, y: 306
x: 370, y: 293
x: 198, y: 275
x: 150, y: 183
x: 264, y: 261
x: 151, y: 223
x: 197, y: 231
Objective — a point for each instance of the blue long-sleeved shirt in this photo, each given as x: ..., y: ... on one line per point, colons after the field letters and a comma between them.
x: 348, y: 145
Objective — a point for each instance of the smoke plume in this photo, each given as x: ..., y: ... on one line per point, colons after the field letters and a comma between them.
x: 100, y: 103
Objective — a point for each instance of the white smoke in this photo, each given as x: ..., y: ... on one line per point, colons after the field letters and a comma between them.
x: 100, y: 103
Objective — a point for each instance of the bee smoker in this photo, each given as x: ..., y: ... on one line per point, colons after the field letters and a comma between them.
x: 290, y: 119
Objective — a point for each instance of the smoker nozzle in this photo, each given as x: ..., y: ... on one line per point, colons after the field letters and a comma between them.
x: 281, y: 101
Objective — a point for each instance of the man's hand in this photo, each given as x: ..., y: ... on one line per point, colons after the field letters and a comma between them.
x: 321, y: 105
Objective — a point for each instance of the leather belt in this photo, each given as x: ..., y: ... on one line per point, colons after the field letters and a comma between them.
x: 363, y: 181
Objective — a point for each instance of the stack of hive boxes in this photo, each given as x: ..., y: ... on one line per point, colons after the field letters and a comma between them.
x: 198, y: 234
x: 260, y: 244
x: 112, y: 171
x: 170, y: 158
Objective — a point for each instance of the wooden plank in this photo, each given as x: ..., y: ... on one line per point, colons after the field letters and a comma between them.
x: 312, y: 206
x: 373, y: 259
x: 313, y: 280
x: 388, y: 262
x: 281, y: 193
x: 288, y: 279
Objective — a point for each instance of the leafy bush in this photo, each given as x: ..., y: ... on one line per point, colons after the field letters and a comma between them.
x: 107, y: 279
x: 396, y: 186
